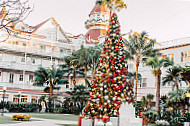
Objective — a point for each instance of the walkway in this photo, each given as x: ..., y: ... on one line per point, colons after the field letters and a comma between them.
x: 38, y: 122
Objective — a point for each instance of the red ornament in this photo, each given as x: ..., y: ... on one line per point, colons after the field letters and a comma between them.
x: 105, y: 118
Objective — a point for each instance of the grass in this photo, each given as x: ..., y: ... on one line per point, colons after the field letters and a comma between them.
x: 68, y: 117
x: 7, y: 120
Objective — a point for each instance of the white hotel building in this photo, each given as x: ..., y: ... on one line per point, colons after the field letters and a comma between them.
x: 177, y: 50
x: 42, y: 45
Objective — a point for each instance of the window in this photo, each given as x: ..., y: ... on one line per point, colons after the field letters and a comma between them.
x: 23, y: 59
x: 23, y: 98
x: 144, y: 80
x: 183, y: 56
x: 11, y: 76
x: 21, y: 78
x: 34, y: 99
x: 31, y: 77
x: 171, y: 56
x: 139, y: 83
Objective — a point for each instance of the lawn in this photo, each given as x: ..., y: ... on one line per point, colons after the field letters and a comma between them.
x: 68, y: 117
x: 6, y: 120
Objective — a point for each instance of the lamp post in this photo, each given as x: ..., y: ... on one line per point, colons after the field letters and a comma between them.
x: 19, y: 93
x: 4, y: 90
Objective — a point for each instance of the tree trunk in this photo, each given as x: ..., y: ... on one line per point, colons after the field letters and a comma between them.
x: 50, y: 98
x: 74, y: 81
x: 136, y: 78
x: 176, y: 84
x: 85, y: 76
x: 158, y: 75
x: 182, y: 109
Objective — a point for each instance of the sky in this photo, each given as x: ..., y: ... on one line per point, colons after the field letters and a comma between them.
x: 163, y: 19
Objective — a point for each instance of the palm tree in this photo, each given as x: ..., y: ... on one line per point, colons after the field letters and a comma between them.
x: 149, y: 98
x: 144, y: 102
x: 173, y: 75
x: 185, y: 72
x: 139, y: 47
x: 94, y: 52
x: 71, y: 67
x: 79, y: 96
x: 157, y: 64
x: 112, y: 4
x: 178, y: 97
x: 51, y: 78
x: 83, y: 60
x: 131, y: 76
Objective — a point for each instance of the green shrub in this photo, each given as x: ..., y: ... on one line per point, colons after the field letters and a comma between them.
x: 22, y: 107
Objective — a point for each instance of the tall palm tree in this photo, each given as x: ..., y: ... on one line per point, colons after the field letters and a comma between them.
x: 71, y: 67
x: 94, y: 52
x: 178, y: 97
x: 112, y: 4
x: 173, y: 76
x: 149, y: 98
x: 157, y: 64
x: 51, y: 78
x: 83, y: 59
x: 139, y: 47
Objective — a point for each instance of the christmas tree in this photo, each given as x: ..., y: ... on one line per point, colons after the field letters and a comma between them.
x: 110, y: 87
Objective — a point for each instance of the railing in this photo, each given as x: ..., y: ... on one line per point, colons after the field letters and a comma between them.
x: 18, y: 66
x: 29, y: 87
x: 32, y: 50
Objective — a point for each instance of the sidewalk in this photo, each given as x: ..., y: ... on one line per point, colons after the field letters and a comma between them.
x: 38, y: 122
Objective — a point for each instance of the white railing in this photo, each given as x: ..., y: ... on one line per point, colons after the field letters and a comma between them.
x: 18, y: 66
x: 30, y: 87
x: 32, y: 50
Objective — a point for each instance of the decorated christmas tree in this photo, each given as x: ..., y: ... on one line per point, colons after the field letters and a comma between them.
x: 110, y: 87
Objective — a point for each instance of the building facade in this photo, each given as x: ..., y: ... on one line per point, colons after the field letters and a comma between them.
x: 178, y: 51
x: 27, y: 49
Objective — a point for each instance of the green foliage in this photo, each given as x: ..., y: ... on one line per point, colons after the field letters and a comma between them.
x: 75, y: 103
x: 185, y: 72
x: 173, y: 76
x: 50, y: 78
x: 151, y: 115
x: 112, y: 4
x: 21, y: 107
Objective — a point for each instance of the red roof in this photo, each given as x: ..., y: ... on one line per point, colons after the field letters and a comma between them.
x: 93, y: 34
x: 39, y: 25
x: 99, y: 8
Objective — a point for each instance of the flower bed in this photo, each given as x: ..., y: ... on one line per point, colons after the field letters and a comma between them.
x: 20, y: 117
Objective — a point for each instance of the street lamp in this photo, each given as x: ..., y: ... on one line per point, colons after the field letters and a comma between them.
x: 4, y: 90
x: 19, y: 93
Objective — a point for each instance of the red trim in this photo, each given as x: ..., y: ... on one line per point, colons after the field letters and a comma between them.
x: 32, y: 91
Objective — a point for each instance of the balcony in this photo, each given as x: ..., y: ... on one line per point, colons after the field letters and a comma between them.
x: 18, y: 66
x: 28, y: 86
x: 31, y: 50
